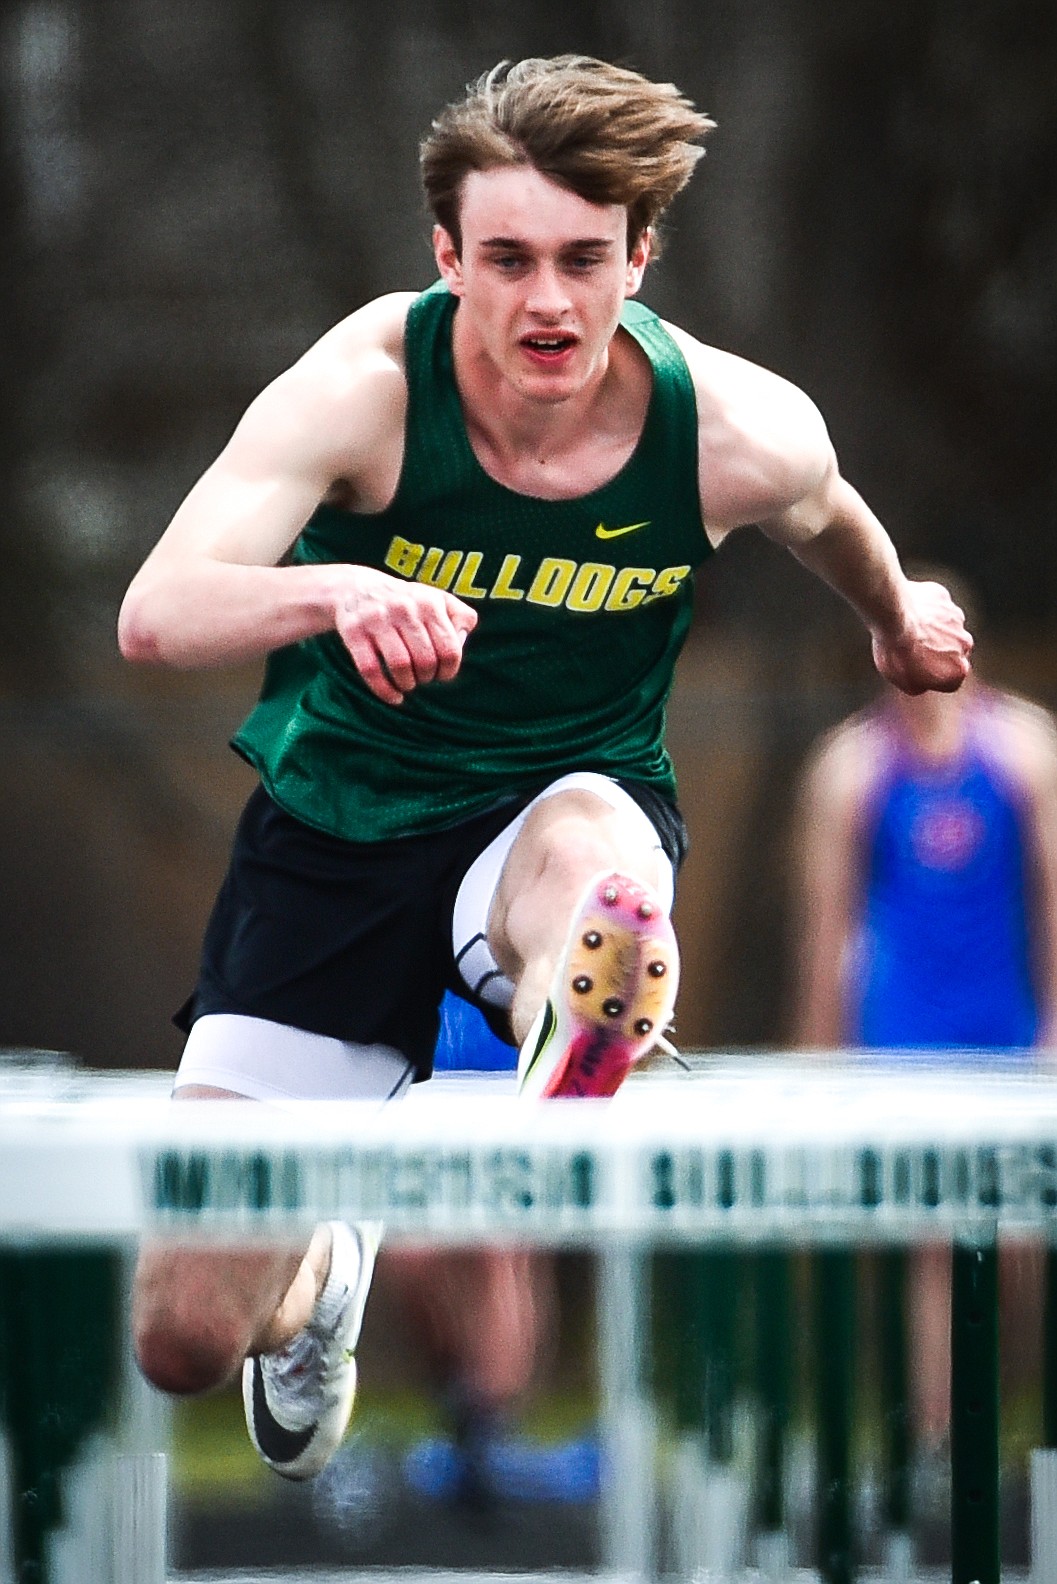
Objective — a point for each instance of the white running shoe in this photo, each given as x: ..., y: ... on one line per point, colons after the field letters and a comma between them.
x: 299, y: 1401
x: 612, y: 995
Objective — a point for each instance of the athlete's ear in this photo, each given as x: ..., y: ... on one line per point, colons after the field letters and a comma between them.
x: 448, y: 262
x: 637, y: 261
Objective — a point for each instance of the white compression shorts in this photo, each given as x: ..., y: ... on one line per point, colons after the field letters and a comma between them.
x: 469, y: 925
x: 268, y: 1061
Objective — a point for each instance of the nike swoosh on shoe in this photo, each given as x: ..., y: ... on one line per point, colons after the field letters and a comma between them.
x: 546, y: 1030
x: 276, y: 1442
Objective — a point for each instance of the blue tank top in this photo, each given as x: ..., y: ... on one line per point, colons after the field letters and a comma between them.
x: 943, y: 958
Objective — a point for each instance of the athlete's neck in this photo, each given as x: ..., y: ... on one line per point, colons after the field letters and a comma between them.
x: 936, y: 723
x: 558, y: 449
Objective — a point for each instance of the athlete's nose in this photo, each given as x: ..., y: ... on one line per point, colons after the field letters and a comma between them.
x: 547, y: 296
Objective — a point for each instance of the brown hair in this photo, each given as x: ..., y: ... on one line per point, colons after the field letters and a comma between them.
x: 607, y: 133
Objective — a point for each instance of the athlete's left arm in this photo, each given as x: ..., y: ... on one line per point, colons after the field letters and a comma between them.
x: 1030, y: 736
x: 918, y: 634
x: 767, y: 459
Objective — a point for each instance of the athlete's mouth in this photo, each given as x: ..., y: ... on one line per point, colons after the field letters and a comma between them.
x: 550, y: 345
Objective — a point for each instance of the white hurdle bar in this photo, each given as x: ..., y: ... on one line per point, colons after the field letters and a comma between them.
x: 749, y: 1153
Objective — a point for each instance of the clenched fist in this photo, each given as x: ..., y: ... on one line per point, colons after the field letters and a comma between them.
x: 399, y: 634
x: 933, y: 649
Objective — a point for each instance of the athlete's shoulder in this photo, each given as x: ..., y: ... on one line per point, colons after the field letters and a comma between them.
x: 746, y: 395
x: 368, y: 336
x: 355, y: 370
x: 337, y: 411
x: 764, y: 443
x: 1023, y: 734
x: 846, y: 762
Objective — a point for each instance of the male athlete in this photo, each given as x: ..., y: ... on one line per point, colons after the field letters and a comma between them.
x: 463, y: 529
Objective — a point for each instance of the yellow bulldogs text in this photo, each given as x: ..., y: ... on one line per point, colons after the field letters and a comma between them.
x: 578, y: 585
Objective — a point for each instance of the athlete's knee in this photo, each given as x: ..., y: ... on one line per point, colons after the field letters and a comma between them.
x: 574, y: 848
x: 185, y: 1363
x: 185, y: 1341
x: 567, y: 841
x: 184, y: 1360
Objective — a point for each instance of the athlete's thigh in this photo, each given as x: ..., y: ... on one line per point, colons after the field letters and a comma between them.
x: 339, y: 939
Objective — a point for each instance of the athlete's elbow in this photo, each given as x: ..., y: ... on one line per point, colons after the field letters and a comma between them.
x: 135, y: 639
x: 140, y: 636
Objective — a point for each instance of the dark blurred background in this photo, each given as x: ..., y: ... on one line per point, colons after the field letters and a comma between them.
x: 190, y: 194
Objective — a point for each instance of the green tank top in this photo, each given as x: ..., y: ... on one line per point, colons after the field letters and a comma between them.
x: 582, y: 608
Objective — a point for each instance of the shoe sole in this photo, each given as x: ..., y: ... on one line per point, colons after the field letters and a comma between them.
x: 614, y: 992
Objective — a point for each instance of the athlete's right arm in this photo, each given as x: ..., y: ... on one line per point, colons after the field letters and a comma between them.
x: 212, y: 591
x: 827, y: 886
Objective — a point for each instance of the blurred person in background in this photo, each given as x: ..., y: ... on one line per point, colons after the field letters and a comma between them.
x: 925, y: 921
x: 463, y: 530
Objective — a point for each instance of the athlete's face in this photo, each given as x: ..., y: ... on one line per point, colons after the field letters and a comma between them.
x: 541, y: 276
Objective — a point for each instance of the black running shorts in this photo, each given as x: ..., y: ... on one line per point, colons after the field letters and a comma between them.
x: 353, y: 939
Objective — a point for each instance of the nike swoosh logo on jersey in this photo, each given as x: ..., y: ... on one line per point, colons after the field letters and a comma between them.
x: 602, y: 532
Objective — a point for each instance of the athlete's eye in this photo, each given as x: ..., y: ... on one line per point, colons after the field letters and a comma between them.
x: 580, y: 263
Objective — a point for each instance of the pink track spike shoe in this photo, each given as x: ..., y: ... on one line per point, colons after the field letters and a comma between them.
x: 611, y: 998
